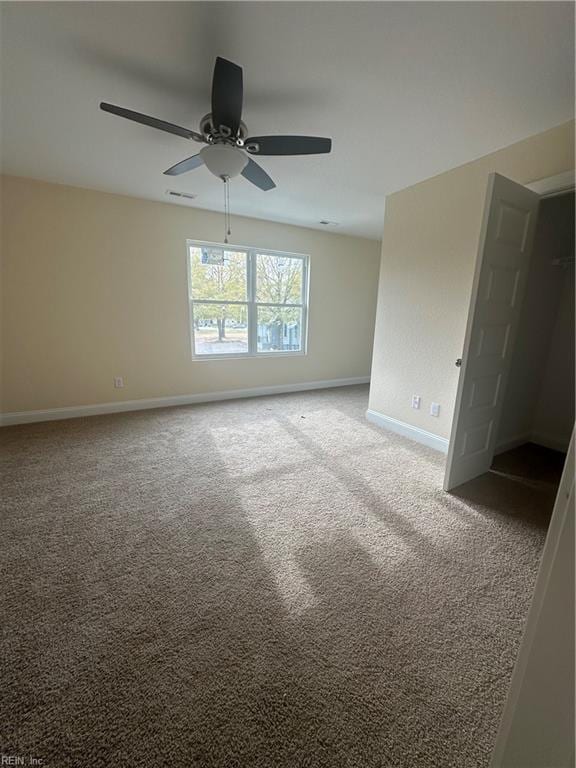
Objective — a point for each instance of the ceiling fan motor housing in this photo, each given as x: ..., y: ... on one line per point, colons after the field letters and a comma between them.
x: 212, y: 135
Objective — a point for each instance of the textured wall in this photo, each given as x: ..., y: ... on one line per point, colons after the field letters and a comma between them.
x: 429, y: 250
x: 94, y: 286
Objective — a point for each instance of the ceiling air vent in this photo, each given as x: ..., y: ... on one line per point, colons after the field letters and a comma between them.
x: 185, y: 195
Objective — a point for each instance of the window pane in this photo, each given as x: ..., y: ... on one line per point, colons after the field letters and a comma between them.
x: 279, y: 329
x: 220, y: 329
x: 218, y: 274
x: 278, y: 279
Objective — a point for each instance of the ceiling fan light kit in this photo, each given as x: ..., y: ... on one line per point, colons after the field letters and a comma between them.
x: 224, y: 160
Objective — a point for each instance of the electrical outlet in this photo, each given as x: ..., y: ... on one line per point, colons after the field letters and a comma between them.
x: 118, y: 382
x: 434, y: 409
x: 416, y: 401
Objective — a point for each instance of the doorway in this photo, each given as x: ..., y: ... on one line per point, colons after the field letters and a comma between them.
x: 537, y: 417
x: 515, y: 404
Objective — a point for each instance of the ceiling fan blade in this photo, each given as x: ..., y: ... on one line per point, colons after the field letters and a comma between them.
x: 258, y: 176
x: 185, y: 165
x: 227, y: 95
x: 153, y: 122
x: 287, y: 145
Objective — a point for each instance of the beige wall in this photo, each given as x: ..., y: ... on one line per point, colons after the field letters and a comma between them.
x: 429, y: 249
x: 94, y: 286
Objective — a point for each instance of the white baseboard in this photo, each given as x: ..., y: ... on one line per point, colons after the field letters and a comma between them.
x: 513, y: 442
x: 547, y: 441
x: 73, y: 412
x: 407, y: 430
x: 551, y: 441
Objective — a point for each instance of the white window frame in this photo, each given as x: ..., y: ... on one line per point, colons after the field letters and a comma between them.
x: 251, y: 304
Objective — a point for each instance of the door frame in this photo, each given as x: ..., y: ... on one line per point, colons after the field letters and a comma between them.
x: 549, y: 186
x: 536, y: 658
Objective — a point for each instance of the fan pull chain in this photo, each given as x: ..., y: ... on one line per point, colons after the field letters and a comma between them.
x: 227, y: 228
x: 225, y: 211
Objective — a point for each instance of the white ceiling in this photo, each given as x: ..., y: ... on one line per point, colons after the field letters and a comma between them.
x: 406, y: 90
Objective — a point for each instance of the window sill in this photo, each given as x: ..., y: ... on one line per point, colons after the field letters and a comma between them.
x: 245, y: 356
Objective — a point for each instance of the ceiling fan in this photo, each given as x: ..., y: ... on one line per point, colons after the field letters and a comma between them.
x: 226, y: 136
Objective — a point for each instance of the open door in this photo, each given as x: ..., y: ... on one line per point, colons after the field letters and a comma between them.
x: 499, y: 282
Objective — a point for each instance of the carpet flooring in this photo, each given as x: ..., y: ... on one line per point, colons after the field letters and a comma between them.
x: 263, y: 583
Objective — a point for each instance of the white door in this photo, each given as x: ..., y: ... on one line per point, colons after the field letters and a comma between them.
x: 499, y: 283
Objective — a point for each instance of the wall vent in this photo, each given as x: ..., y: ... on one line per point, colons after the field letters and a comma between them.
x: 186, y: 195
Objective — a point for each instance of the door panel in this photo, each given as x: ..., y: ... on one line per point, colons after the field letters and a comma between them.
x: 499, y: 282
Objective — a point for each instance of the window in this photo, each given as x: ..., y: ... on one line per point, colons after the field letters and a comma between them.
x: 246, y: 301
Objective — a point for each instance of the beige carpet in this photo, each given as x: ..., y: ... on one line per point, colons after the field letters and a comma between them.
x: 252, y: 584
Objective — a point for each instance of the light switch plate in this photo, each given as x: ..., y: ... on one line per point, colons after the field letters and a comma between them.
x: 434, y: 409
x: 416, y: 401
